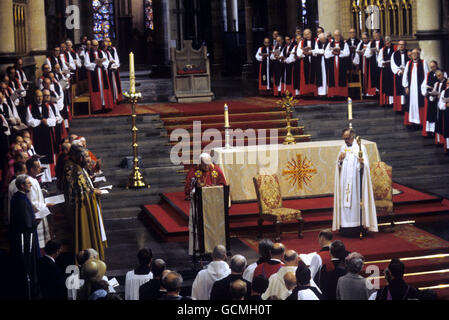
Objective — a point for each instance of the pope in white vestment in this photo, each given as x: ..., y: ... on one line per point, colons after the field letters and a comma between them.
x: 347, y: 188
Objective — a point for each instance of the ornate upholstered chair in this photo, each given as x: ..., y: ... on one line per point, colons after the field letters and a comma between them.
x: 382, y: 180
x: 269, y: 196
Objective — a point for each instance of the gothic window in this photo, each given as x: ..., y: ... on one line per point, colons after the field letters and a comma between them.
x: 149, y: 20
x: 104, y: 20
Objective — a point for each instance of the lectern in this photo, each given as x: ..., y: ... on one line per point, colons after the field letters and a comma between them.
x: 209, y: 220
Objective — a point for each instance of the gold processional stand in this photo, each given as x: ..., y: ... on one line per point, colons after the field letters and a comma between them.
x: 136, y: 180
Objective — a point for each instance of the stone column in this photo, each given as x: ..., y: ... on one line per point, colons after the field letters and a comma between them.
x: 429, y: 33
x: 248, y: 67
x: 329, y: 15
x: 37, y: 33
x: 233, y: 15
x: 292, y: 15
x: 7, y: 45
x: 217, y: 35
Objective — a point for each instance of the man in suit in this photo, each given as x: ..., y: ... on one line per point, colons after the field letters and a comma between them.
x: 221, y: 288
x: 51, y: 277
x: 151, y: 290
x: 24, y: 249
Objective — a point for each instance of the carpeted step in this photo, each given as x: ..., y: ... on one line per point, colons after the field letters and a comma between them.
x: 416, y: 265
x: 233, y: 118
x: 244, y: 125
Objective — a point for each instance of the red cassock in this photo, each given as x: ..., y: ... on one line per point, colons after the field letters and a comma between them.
x: 337, y: 72
x: 307, y: 83
x: 99, y: 85
x: 213, y: 177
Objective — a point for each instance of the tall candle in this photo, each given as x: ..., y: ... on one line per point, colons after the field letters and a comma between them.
x: 226, y: 115
x: 349, y: 109
x: 132, y: 74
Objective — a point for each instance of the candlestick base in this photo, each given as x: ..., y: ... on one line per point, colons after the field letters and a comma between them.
x: 136, y: 178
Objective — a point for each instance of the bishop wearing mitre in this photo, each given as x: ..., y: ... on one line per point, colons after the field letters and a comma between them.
x: 347, y: 196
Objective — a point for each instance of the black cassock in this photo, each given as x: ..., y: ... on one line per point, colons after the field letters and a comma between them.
x: 442, y: 121
x: 24, y: 253
x: 387, y: 76
x: 43, y: 135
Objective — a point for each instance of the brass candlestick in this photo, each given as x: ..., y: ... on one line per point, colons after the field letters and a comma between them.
x: 136, y: 179
x: 288, y: 103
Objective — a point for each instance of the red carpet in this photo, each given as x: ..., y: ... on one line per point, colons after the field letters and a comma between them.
x: 406, y: 242
x: 169, y: 219
x: 205, y: 108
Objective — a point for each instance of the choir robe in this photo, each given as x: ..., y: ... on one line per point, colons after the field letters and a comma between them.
x: 114, y: 75
x: 386, y: 84
x: 308, y: 73
x: 99, y: 86
x: 442, y: 127
x: 374, y: 76
x: 288, y: 69
x: 265, y: 68
x: 5, y: 134
x: 319, y: 68
x: 362, y: 61
x: 337, y: 69
x: 296, y: 55
x: 84, y: 210
x: 78, y: 65
x: 58, y: 134
x: 42, y: 135
x: 353, y: 44
x: 431, y: 85
x: 278, y: 69
x: 21, y: 76
x: 63, y: 102
x: 37, y: 199
x: 23, y: 223
x: 69, y: 61
x: 398, y: 62
x: 414, y: 75
x: 347, y: 192
x: 52, y: 61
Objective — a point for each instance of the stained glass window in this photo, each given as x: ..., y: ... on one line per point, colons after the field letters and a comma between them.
x: 104, y: 24
x: 149, y: 20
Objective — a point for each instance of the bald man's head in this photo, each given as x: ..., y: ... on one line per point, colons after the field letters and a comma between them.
x: 238, y: 290
x: 38, y: 97
x: 290, y: 281
x: 291, y: 258
x: 219, y: 253
x: 278, y: 251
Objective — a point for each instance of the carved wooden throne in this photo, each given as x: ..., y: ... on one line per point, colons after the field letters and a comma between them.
x: 191, y: 74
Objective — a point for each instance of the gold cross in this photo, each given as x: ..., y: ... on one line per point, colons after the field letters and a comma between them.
x: 347, y: 193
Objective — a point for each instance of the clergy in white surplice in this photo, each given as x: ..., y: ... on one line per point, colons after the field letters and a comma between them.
x: 216, y: 270
x: 414, y: 75
x: 347, y: 195
x: 319, y: 59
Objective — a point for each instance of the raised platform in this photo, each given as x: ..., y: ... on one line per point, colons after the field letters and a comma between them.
x: 169, y: 219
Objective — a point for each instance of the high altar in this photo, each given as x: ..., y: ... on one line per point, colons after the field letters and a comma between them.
x: 305, y: 169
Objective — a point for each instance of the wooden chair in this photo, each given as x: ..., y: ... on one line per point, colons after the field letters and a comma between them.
x: 355, y: 84
x: 382, y: 180
x: 269, y: 196
x: 80, y: 94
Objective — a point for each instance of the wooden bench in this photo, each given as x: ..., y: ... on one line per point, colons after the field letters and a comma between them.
x: 80, y: 94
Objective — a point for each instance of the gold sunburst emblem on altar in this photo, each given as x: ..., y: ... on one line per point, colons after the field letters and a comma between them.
x: 300, y: 171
